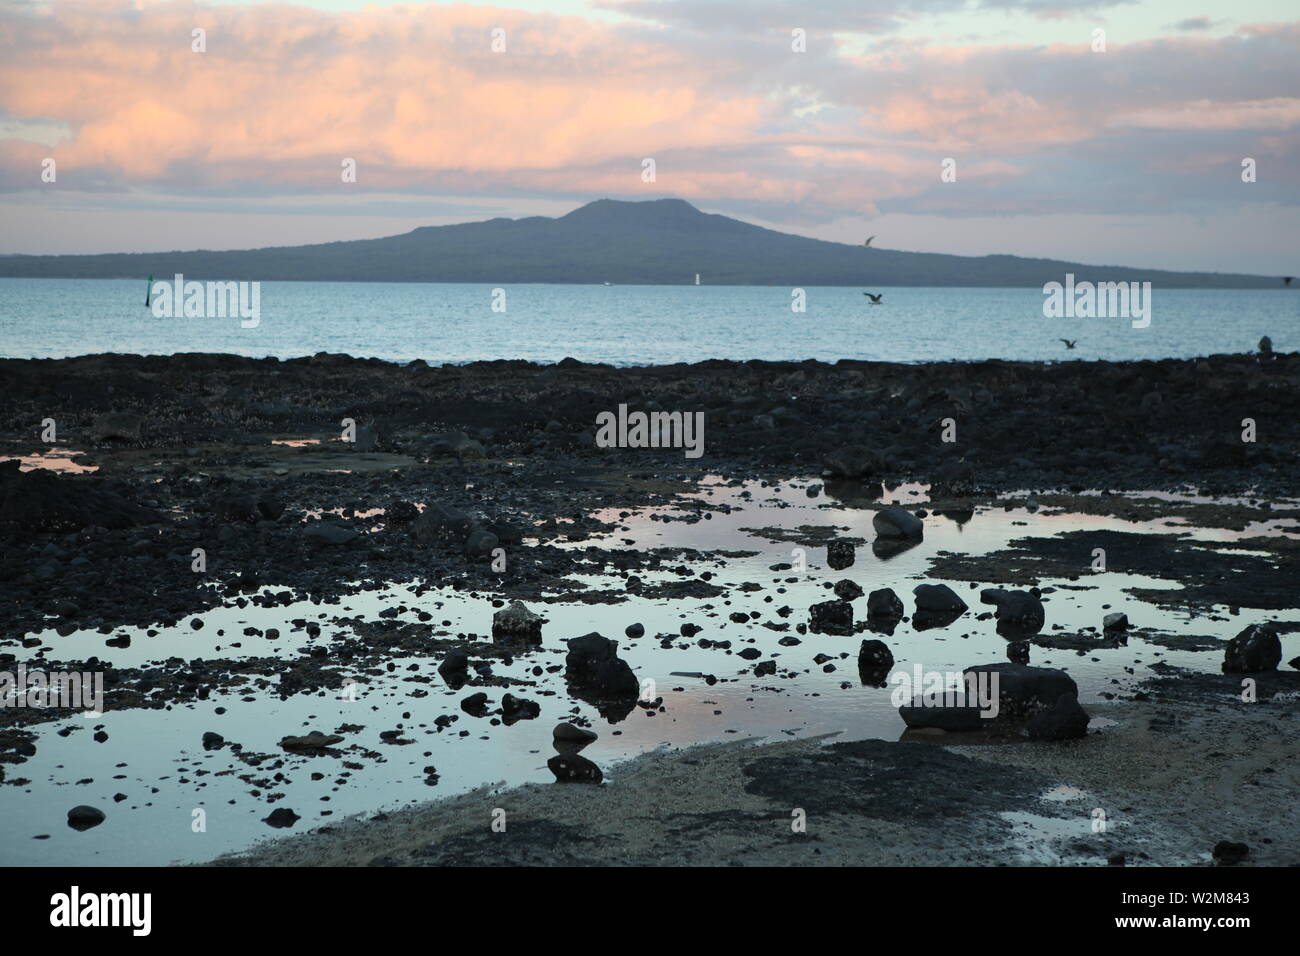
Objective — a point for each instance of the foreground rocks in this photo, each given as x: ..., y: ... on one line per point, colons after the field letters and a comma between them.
x: 84, y: 817
x: 313, y: 743
x: 1043, y: 699
x: 937, y: 605
x: 33, y: 502
x: 597, y: 674
x: 895, y: 522
x: 574, y: 768
x: 1018, y: 612
x: 874, y: 661
x: 1025, y: 690
x: 831, y: 617
x: 1255, y: 649
x: 1064, y: 720
x: 517, y: 623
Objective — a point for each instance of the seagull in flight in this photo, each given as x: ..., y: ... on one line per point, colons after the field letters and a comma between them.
x: 875, y: 299
x: 1068, y: 343
x: 868, y: 242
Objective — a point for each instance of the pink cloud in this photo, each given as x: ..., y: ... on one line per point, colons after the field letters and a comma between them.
x: 416, y: 95
x: 409, y: 90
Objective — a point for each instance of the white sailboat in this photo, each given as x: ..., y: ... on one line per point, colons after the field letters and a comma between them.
x: 697, y: 278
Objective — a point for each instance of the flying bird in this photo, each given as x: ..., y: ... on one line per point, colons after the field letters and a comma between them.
x: 875, y: 299
x: 1068, y: 343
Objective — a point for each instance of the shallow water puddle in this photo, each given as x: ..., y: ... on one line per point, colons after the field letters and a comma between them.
x: 1056, y: 841
x: 59, y: 460
x: 721, y: 699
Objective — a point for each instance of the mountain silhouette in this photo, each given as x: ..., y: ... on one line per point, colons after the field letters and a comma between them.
x: 660, y: 242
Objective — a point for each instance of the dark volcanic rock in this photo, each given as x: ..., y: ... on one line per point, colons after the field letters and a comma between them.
x: 839, y: 555
x: 1254, y: 650
x: 853, y: 464
x: 517, y: 623
x: 847, y: 590
x: 281, y: 818
x: 896, y: 522
x: 454, y: 668
x: 1064, y: 720
x: 481, y: 543
x: 236, y: 506
x: 312, y: 743
x: 516, y: 708
x: 598, y: 675
x: 831, y: 617
x: 574, y: 768
x: 328, y: 534
x: 874, y: 661
x: 875, y: 655
x: 937, y: 605
x: 117, y: 426
x: 83, y: 817
x: 37, y: 501
x: 439, y: 524
x: 884, y: 604
x: 1019, y: 612
x: 1227, y: 853
x: 1115, y: 622
x: 937, y: 598
x: 1024, y: 690
x: 400, y: 512
x: 957, y: 719
x: 505, y: 531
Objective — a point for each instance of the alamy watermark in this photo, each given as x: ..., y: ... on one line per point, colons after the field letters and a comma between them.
x: 63, y: 689
x: 651, y: 430
x: 179, y: 299
x: 1101, y: 300
x: 922, y: 688
x: 75, y: 909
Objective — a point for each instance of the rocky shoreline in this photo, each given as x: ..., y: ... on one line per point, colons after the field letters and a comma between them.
x: 221, y: 481
x: 234, y: 455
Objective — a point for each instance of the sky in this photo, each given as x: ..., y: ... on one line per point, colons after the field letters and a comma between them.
x: 1090, y: 130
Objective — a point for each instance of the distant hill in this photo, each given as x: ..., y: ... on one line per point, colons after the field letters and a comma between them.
x: 657, y: 242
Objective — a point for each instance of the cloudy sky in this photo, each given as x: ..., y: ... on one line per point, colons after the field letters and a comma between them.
x: 1131, y: 155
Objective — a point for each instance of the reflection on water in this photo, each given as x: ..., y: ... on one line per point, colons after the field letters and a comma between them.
x: 56, y: 459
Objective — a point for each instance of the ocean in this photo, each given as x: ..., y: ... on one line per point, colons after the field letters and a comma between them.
x: 635, y: 325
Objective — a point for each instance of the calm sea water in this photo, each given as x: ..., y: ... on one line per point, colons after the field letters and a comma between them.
x: 634, y: 325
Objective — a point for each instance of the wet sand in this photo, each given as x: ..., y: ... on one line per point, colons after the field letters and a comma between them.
x: 1172, y: 776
